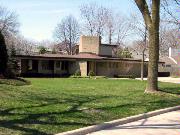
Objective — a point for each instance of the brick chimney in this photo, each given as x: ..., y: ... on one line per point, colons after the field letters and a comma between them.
x: 90, y: 44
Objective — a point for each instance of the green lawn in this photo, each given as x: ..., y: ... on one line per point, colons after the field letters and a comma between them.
x: 49, y: 106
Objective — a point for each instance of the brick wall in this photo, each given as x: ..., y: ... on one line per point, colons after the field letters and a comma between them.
x: 89, y: 44
x: 120, y: 68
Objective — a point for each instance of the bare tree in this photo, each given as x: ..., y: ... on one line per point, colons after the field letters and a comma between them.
x: 8, y: 26
x: 169, y: 26
x: 104, y: 22
x: 122, y: 29
x: 169, y: 37
x: 88, y: 14
x: 21, y: 44
x: 95, y: 18
x: 168, y: 11
x: 152, y: 20
x: 110, y: 26
x: 140, y: 47
x: 8, y: 22
x: 67, y: 32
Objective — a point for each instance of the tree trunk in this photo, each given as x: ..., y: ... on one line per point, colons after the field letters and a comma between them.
x: 142, y: 66
x: 152, y: 84
x: 143, y: 53
x: 110, y: 36
x: 153, y: 30
x: 152, y: 19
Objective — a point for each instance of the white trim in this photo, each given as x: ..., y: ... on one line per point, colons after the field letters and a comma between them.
x: 173, y: 60
x: 170, y: 52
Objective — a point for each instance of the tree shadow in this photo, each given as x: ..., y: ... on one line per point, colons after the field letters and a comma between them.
x: 21, y: 116
x: 26, y: 118
x: 171, y: 90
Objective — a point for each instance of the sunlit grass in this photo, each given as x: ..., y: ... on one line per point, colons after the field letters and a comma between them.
x: 49, y: 106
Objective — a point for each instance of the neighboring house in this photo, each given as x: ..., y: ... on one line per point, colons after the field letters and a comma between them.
x: 171, y: 63
x: 92, y: 56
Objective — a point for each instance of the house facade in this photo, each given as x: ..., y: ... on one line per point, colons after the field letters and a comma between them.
x: 171, y: 63
x: 93, y: 56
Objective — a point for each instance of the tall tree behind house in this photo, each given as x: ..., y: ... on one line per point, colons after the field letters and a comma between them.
x: 67, y: 32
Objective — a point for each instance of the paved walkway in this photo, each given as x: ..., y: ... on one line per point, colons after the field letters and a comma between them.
x: 166, y: 79
x: 169, y: 79
x: 164, y: 124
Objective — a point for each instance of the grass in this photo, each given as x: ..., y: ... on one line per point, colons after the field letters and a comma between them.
x: 50, y: 106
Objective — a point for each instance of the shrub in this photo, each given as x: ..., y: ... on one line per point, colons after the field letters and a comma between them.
x: 9, y: 74
x: 77, y: 73
x: 42, y: 50
x: 91, y: 74
x: 13, y: 62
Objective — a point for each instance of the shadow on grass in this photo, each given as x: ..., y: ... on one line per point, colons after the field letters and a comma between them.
x: 35, y: 118
x: 15, y: 82
x: 171, y: 90
x: 18, y: 117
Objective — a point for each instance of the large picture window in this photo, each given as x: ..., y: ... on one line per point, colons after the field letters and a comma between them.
x: 47, y: 65
x: 64, y: 65
x: 58, y: 64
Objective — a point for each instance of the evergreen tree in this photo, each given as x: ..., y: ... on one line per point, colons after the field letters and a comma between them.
x: 42, y: 50
x: 13, y: 63
x: 3, y: 55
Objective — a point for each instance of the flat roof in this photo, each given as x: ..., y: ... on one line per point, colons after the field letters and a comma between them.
x: 80, y: 56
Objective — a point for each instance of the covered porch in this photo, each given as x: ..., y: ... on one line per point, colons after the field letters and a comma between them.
x: 44, y: 67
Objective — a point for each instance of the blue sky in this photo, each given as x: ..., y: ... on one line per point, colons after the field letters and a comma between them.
x: 38, y: 18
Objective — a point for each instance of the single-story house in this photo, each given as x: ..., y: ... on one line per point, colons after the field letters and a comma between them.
x: 92, y: 56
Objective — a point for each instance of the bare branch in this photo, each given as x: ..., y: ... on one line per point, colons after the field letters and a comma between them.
x: 143, y: 7
x: 67, y: 32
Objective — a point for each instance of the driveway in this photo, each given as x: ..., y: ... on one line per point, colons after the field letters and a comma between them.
x: 166, y: 79
x: 169, y: 79
x: 164, y: 124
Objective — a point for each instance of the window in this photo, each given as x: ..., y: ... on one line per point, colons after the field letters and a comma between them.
x: 58, y: 64
x: 126, y: 65
x: 114, y: 65
x: 47, y: 65
x: 64, y: 65
x: 100, y: 64
x: 117, y: 65
x: 30, y: 65
x: 168, y: 65
x: 110, y: 64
